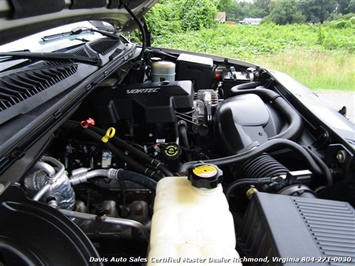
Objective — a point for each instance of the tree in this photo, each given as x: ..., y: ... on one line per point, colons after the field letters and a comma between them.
x: 178, y: 15
x: 343, y: 6
x: 235, y: 13
x: 197, y: 14
x: 317, y: 11
x: 351, y: 7
x: 263, y: 7
x: 285, y: 12
x: 225, y: 5
x: 238, y: 11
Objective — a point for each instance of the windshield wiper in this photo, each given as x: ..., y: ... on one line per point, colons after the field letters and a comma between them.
x: 75, y: 32
x: 49, y: 57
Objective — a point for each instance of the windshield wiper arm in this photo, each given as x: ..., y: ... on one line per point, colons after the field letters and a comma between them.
x: 50, y: 57
x: 76, y: 32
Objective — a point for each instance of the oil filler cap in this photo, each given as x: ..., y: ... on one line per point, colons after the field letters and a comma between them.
x: 205, y: 176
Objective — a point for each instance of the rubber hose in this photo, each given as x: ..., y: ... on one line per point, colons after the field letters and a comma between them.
x: 315, y: 165
x: 245, y: 86
x: 138, y: 179
x: 246, y: 181
x: 135, y: 165
x: 185, y: 141
x: 323, y: 167
x: 293, y: 118
x: 263, y: 165
x: 124, y: 145
x: 135, y: 152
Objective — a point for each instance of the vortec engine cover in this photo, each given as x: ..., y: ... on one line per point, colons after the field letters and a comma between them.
x: 153, y: 102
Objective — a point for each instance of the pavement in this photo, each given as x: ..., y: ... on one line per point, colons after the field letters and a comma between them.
x: 338, y: 99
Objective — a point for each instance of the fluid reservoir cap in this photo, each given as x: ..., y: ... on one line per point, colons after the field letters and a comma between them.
x: 205, y: 176
x: 171, y: 151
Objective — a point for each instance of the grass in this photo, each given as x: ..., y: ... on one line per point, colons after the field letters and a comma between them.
x: 315, y: 69
x: 322, y: 58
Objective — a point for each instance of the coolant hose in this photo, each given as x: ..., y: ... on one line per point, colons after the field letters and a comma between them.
x: 293, y: 118
x: 132, y: 163
x: 318, y: 166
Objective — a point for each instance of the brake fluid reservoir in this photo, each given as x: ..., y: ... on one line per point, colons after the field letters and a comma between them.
x: 191, y: 221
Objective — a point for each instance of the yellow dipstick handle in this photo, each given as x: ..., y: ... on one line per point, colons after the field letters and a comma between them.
x: 110, y: 133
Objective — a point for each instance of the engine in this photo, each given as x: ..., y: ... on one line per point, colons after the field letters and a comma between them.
x: 165, y: 117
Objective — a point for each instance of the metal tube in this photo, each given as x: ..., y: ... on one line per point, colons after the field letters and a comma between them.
x: 85, y: 176
x: 106, y: 219
x: 52, y: 179
x: 45, y: 167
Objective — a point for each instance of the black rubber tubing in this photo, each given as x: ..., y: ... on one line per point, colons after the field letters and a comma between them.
x: 137, y: 178
x: 135, y: 152
x: 185, y: 140
x: 124, y: 145
x: 135, y: 165
x: 293, y: 118
x: 245, y: 86
x: 317, y: 165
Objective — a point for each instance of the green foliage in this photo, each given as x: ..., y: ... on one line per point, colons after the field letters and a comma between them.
x: 176, y: 16
x: 351, y: 7
x: 343, y: 6
x: 311, y: 11
x: 347, y: 16
x: 161, y: 20
x: 321, y: 35
x: 317, y: 11
x: 344, y: 17
x: 197, y: 14
x: 330, y: 42
x: 285, y: 12
x: 189, y: 25
x: 244, y: 41
x: 313, y: 54
x: 342, y: 24
x: 225, y: 5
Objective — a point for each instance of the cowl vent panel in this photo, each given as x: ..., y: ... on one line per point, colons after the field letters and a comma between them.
x: 17, y: 89
x: 105, y: 45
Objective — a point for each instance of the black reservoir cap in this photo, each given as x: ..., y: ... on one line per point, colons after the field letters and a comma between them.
x: 205, y: 176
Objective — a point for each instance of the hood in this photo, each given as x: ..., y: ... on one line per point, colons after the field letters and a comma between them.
x: 20, y: 18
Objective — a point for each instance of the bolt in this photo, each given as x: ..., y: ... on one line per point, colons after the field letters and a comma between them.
x: 341, y: 156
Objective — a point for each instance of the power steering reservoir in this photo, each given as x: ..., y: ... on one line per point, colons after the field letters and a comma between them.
x: 191, y: 221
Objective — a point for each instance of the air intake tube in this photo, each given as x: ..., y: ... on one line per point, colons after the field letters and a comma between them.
x: 263, y: 165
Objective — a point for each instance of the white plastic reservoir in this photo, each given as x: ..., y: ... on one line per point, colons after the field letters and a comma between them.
x: 191, y: 226
x: 162, y: 70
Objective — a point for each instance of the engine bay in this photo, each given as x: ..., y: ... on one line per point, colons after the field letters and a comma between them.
x: 167, y: 114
